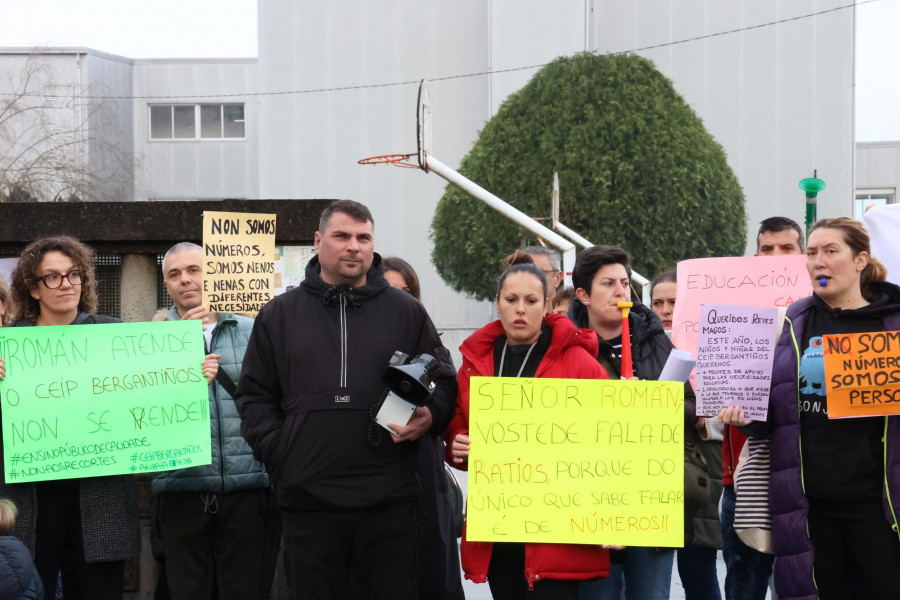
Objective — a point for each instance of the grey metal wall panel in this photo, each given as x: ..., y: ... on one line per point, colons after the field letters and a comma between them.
x: 779, y: 98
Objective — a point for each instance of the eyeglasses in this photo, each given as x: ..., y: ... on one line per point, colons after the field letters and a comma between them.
x: 54, y: 280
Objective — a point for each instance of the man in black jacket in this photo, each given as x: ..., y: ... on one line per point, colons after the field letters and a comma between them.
x: 308, y: 392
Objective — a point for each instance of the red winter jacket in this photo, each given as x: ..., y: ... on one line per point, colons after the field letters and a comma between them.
x: 571, y: 355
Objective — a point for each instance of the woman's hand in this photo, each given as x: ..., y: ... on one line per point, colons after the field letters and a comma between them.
x: 2, y: 369
x: 460, y: 448
x: 734, y: 415
x: 612, y: 547
x: 211, y: 367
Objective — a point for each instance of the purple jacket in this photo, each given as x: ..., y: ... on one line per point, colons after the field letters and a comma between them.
x: 787, y: 500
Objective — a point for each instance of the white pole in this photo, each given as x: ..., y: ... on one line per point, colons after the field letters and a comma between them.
x: 571, y: 235
x: 565, y: 246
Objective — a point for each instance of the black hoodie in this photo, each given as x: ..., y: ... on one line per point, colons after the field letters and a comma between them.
x: 843, y: 459
x: 312, y: 373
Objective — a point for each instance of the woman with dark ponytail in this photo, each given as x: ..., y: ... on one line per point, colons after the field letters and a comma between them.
x: 834, y: 492
x: 525, y: 341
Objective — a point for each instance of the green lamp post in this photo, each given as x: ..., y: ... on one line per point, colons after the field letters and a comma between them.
x: 812, y: 186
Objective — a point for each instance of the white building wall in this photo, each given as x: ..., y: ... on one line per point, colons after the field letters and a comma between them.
x: 779, y: 98
x: 877, y: 166
x: 312, y: 141
x: 76, y: 113
x: 111, y: 146
x: 179, y: 169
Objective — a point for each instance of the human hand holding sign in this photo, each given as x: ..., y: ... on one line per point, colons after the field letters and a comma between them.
x: 733, y: 415
x: 460, y: 448
x: 210, y: 367
x: 199, y: 313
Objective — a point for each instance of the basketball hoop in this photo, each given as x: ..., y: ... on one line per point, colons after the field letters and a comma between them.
x: 398, y: 160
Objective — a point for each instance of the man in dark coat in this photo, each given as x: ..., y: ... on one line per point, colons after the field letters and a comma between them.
x: 310, y: 386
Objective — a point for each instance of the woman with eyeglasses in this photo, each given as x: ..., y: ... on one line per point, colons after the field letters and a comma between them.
x: 91, y: 522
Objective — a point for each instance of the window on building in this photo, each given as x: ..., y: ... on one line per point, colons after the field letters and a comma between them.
x: 193, y: 121
x: 875, y: 197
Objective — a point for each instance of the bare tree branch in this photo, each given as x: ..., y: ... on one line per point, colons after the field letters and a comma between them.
x: 52, y: 131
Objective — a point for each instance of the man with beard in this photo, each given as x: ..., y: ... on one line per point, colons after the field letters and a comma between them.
x: 211, y: 515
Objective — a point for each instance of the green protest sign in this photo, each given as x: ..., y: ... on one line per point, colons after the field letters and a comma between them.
x: 81, y: 401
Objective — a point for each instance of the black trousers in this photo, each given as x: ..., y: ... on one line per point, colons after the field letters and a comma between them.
x: 506, y: 577
x: 855, y: 558
x: 360, y: 554
x: 58, y: 539
x: 213, y: 544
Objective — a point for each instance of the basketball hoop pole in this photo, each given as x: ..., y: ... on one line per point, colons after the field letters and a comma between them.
x: 565, y: 246
x: 554, y: 216
x: 584, y: 243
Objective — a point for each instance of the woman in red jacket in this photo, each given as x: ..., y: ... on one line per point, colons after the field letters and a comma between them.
x: 525, y: 342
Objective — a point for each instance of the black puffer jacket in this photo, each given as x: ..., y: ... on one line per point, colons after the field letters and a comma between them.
x: 19, y: 579
x: 312, y: 373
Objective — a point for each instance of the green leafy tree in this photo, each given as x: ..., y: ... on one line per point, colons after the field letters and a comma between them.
x: 636, y: 168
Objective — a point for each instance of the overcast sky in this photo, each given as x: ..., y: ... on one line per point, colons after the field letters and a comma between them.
x: 227, y: 28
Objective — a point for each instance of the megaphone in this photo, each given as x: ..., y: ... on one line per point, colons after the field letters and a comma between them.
x: 410, y: 385
x: 413, y: 381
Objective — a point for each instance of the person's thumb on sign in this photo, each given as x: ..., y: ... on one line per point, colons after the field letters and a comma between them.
x: 211, y: 367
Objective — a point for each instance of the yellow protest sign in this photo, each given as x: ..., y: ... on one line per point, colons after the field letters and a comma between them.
x: 862, y: 374
x: 576, y: 461
x: 238, y: 261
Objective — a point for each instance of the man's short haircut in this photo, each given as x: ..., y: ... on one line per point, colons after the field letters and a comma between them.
x: 179, y: 247
x: 777, y: 225
x: 355, y: 210
x: 592, y: 259
x: 553, y: 255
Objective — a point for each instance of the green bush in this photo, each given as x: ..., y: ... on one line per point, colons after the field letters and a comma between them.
x: 636, y: 168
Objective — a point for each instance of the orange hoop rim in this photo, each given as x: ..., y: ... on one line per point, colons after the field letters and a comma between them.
x: 398, y: 160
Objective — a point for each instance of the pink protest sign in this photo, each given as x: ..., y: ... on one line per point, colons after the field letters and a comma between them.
x: 734, y: 358
x: 743, y: 280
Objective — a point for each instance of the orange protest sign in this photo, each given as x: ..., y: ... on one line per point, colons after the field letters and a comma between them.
x: 862, y: 374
